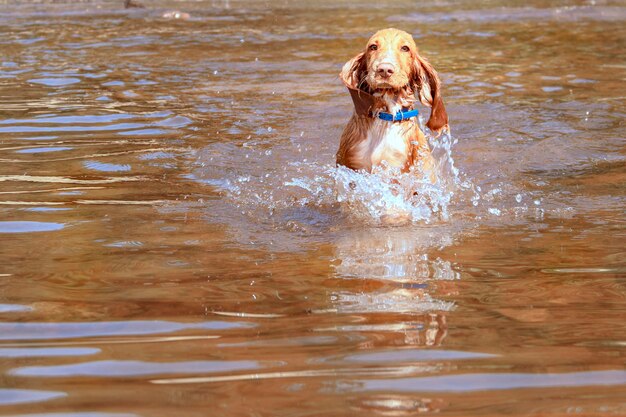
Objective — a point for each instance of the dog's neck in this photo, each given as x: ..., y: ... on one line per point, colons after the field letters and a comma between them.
x: 392, y: 101
x: 368, y: 102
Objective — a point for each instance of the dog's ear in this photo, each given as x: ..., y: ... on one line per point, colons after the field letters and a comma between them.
x: 427, y: 87
x: 354, y: 72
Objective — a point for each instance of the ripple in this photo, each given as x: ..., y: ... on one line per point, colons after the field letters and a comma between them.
x: 390, y: 371
x: 47, y: 209
x: 29, y: 226
x: 42, y: 137
x: 79, y: 414
x: 14, y: 308
x: 582, y: 81
x: 55, y: 82
x: 105, y: 167
x: 113, y: 368
x: 46, y: 352
x: 518, y: 14
x: 411, y: 355
x: 599, y: 270
x: 124, y: 244
x: 398, y: 301
x: 156, y: 155
x: 174, y: 122
x: 17, y: 331
x: 47, y: 129
x: 488, y: 382
x: 551, y: 89
x: 77, y: 119
x: 20, y: 396
x: 44, y: 150
x: 66, y: 180
x: 143, y: 132
x: 30, y: 41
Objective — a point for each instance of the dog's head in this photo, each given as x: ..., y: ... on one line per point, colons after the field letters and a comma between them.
x: 391, y: 62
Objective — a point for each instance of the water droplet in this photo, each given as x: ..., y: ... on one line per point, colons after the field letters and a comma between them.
x: 518, y: 198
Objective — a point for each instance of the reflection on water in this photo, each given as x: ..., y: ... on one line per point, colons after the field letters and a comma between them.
x: 17, y: 396
x: 133, y: 368
x: 26, y: 226
x: 482, y: 382
x: 176, y: 237
x: 30, y: 331
x: 45, y: 352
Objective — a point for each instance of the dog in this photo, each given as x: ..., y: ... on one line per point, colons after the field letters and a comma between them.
x: 385, y: 82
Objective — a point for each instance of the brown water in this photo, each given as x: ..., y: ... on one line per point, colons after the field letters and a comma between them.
x: 175, y: 238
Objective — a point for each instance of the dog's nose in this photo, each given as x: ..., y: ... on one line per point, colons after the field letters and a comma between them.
x: 385, y: 70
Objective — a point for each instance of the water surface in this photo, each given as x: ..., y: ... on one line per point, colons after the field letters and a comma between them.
x: 176, y: 240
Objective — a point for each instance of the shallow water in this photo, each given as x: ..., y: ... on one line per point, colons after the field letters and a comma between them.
x: 175, y: 238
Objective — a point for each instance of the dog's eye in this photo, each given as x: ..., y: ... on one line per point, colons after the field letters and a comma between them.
x: 373, y: 47
x: 405, y: 49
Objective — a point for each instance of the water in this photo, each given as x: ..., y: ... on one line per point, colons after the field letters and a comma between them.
x: 175, y: 237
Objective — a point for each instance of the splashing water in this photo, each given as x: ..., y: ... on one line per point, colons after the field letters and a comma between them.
x: 388, y: 196
x: 385, y: 196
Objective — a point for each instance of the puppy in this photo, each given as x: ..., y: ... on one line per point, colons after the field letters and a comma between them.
x: 385, y: 82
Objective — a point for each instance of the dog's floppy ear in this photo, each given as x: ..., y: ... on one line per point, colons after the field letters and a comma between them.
x: 427, y: 87
x: 354, y: 71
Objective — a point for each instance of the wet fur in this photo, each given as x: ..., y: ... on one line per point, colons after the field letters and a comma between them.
x: 367, y: 141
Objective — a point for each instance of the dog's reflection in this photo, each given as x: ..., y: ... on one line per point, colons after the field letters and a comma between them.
x: 396, y: 285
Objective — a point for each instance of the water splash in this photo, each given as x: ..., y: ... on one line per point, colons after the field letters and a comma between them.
x: 385, y: 196
x: 388, y: 196
x: 296, y: 185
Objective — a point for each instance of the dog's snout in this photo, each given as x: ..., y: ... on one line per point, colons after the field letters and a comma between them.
x: 385, y: 70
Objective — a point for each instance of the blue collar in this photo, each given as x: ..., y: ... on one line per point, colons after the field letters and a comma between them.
x: 401, y: 115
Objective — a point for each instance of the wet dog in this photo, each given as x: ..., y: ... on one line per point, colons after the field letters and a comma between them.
x: 385, y: 82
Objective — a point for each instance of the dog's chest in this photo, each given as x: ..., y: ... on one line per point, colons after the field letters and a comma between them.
x: 387, y: 142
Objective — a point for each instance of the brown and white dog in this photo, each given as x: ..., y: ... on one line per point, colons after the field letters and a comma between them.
x: 389, y: 77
